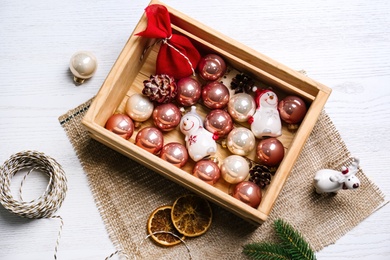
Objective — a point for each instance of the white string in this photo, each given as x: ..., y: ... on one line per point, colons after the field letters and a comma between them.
x: 165, y: 41
x: 154, y: 233
x: 49, y: 202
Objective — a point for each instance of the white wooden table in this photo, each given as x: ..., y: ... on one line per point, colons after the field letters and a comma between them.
x: 343, y: 44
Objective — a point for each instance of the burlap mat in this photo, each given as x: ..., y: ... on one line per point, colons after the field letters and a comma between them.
x: 126, y: 193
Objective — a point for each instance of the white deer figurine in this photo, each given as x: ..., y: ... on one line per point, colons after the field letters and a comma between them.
x: 200, y: 142
x: 327, y: 180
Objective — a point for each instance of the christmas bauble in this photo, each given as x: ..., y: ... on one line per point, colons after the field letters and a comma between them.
x: 270, y: 152
x: 241, y: 141
x: 166, y: 116
x: 249, y: 193
x: 121, y: 125
x: 188, y: 91
x: 211, y: 67
x: 241, y: 106
x: 150, y: 139
x: 292, y: 109
x: 207, y: 170
x: 83, y: 65
x: 174, y: 153
x: 215, y: 95
x: 218, y: 122
x: 234, y: 169
x: 139, y: 107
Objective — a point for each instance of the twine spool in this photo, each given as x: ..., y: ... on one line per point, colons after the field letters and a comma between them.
x: 49, y: 202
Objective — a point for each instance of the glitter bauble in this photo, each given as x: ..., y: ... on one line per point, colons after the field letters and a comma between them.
x: 270, y: 152
x: 188, y: 91
x: 150, y: 139
x: 207, y: 170
x: 211, y: 67
x: 166, y: 117
x: 139, y: 107
x: 292, y: 109
x: 241, y: 107
x: 121, y: 125
x: 234, y: 169
x: 248, y: 192
x: 218, y: 122
x: 215, y: 95
x: 174, y: 153
x: 241, y: 141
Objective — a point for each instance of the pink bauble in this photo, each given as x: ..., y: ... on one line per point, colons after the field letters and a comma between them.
x: 218, y: 122
x: 207, y: 170
x: 270, y: 152
x: 211, y: 67
x: 166, y: 117
x: 188, y: 91
x: 215, y: 95
x: 150, y: 139
x: 292, y: 109
x: 248, y: 192
x: 121, y: 125
x: 241, y: 107
x: 174, y: 153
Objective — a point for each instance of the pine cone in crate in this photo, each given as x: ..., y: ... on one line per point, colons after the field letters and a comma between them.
x: 242, y: 83
x: 260, y: 175
x: 160, y: 88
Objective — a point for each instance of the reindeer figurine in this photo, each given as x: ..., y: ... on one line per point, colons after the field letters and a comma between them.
x: 327, y: 180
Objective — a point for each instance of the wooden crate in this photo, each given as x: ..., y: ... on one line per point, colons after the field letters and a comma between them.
x: 129, y: 71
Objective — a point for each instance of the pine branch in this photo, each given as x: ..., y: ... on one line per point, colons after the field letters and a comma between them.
x: 293, y: 241
x: 266, y: 251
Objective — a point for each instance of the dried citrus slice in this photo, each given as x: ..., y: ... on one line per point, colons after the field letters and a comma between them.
x: 191, y: 215
x: 160, y: 221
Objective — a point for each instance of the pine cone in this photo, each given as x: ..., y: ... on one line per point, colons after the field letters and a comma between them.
x: 242, y: 83
x: 260, y: 175
x: 160, y: 88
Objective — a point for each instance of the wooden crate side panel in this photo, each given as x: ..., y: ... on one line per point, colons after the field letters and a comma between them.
x: 248, y: 68
x: 119, y: 79
x: 178, y: 176
x: 245, y: 53
x: 292, y: 154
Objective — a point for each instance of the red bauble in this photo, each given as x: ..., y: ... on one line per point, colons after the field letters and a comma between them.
x: 215, y: 95
x: 188, y: 91
x: 174, y: 153
x: 248, y: 192
x: 218, y: 122
x: 292, y: 109
x: 150, y: 139
x: 121, y: 125
x: 211, y: 67
x: 207, y: 170
x: 270, y: 152
x: 166, y: 117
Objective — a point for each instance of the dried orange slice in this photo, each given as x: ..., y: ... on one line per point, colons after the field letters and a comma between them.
x: 191, y: 215
x: 160, y: 221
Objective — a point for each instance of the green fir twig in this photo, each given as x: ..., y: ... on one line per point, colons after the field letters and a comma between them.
x: 266, y: 251
x: 292, y: 247
x: 293, y: 241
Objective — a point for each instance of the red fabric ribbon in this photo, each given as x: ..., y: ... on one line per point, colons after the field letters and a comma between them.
x: 177, y: 56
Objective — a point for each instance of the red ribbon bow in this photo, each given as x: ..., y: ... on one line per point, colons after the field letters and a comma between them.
x: 177, y: 57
